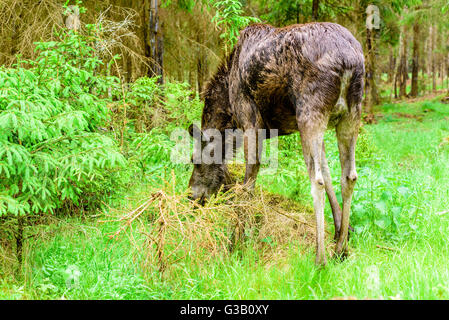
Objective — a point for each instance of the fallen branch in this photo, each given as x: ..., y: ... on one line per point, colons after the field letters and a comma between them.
x: 180, y: 229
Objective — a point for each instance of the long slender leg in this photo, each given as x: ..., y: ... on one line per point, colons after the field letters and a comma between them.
x: 335, y: 206
x: 252, y: 157
x: 312, y: 140
x: 347, y: 131
x: 251, y: 123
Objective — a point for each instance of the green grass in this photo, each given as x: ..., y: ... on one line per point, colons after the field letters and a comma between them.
x: 400, y: 248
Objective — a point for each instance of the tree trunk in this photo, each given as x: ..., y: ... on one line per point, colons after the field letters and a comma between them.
x: 395, y: 89
x: 446, y: 67
x: 429, y: 59
x: 192, y: 77
x: 399, y: 66
x: 315, y: 9
x: 372, y: 97
x: 201, y: 58
x: 153, y: 39
x: 403, y: 68
x: 201, y: 65
x: 415, y: 66
x: 440, y: 60
x: 432, y: 57
x: 392, y: 65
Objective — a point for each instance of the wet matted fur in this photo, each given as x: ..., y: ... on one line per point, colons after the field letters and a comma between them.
x: 304, y: 78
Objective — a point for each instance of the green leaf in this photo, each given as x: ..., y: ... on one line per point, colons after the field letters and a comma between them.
x: 381, y: 206
x: 382, y: 223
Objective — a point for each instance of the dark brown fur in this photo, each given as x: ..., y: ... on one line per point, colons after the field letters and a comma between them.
x: 302, y: 77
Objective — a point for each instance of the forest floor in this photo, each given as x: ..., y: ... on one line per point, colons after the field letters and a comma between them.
x: 399, y: 250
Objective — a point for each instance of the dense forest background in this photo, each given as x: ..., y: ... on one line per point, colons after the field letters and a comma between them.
x: 92, y: 204
x: 406, y: 54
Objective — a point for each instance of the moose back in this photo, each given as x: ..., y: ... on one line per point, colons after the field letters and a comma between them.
x: 305, y: 78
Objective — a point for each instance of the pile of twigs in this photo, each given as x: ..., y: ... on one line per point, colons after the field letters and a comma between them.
x: 168, y: 229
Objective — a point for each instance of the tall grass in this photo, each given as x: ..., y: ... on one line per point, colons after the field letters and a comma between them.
x: 399, y: 250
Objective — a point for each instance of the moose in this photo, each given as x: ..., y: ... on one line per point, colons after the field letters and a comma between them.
x: 306, y: 78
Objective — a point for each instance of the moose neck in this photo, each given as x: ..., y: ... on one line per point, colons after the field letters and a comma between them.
x: 217, y: 112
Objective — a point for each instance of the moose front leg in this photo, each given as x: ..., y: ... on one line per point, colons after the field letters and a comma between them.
x: 251, y: 121
x: 252, y: 157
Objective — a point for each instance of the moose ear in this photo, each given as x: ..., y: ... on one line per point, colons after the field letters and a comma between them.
x: 194, y: 128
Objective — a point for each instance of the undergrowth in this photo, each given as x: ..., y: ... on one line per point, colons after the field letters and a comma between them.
x: 90, y: 193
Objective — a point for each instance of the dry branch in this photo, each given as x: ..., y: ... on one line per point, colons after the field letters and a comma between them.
x: 172, y: 229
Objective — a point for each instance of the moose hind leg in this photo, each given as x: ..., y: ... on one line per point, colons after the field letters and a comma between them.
x: 335, y: 206
x: 347, y: 131
x: 312, y: 140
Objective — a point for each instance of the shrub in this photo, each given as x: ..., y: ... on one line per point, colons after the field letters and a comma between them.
x: 54, y: 150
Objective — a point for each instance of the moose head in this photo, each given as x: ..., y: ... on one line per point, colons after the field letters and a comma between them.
x: 210, y: 172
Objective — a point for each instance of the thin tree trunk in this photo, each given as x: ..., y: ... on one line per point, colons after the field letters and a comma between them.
x: 201, y: 68
x: 297, y: 12
x: 391, y: 72
x: 446, y: 98
x: 432, y: 57
x: 191, y: 78
x: 372, y: 97
x: 403, y: 68
x: 429, y: 59
x: 153, y: 39
x: 392, y: 65
x: 441, y: 59
x: 201, y: 62
x: 415, y: 66
x: 315, y: 9
x: 369, y: 74
x: 398, y: 68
